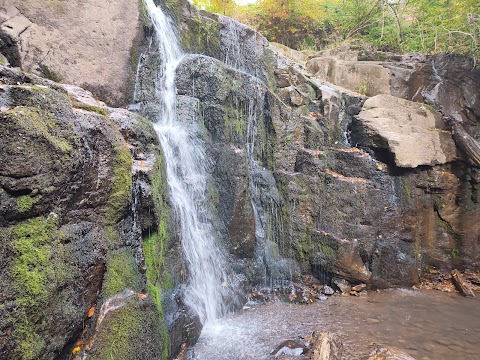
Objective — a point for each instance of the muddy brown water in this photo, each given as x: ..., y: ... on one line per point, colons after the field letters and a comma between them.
x: 424, y: 324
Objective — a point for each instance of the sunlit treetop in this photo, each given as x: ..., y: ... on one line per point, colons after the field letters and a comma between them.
x: 426, y: 26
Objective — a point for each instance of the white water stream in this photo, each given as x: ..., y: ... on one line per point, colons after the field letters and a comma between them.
x: 186, y: 167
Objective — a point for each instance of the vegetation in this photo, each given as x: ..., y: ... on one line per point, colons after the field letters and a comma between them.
x: 426, y: 26
x: 122, y: 273
x: 26, y: 202
x: 155, y: 246
x: 37, y: 268
x: 122, y: 184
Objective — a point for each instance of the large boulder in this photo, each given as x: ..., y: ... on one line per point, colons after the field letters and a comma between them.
x: 67, y: 41
x: 413, y: 133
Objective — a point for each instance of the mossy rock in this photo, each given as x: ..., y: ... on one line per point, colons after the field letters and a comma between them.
x: 120, y: 194
x: 38, y: 123
x: 36, y: 269
x: 202, y: 35
x: 132, y: 332
x: 122, y: 273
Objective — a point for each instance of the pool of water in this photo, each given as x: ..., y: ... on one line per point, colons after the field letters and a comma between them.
x: 424, y: 324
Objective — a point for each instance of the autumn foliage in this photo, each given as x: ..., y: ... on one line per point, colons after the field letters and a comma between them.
x: 426, y: 26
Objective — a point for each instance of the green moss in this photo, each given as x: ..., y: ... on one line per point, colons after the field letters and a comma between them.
x: 212, y: 194
x: 155, y: 246
x: 327, y: 250
x: 304, y: 248
x: 175, y: 9
x: 25, y: 203
x: 128, y: 333
x: 39, y: 123
x: 53, y: 101
x: 37, y: 267
x: 32, y: 246
x: 122, y: 273
x: 91, y: 108
x: 49, y: 74
x: 202, y: 36
x: 235, y: 123
x: 144, y: 18
x: 406, y: 190
x: 122, y: 184
x: 363, y: 88
x: 126, y: 322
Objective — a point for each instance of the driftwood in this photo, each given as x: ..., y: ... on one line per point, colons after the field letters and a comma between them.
x: 465, y: 142
x: 461, y: 284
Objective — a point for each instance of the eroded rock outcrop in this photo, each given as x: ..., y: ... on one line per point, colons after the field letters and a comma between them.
x: 323, y: 191
x: 89, y: 44
x: 301, y: 181
x: 70, y: 238
x: 413, y: 132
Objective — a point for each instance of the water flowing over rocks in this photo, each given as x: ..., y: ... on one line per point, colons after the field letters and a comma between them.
x: 338, y: 165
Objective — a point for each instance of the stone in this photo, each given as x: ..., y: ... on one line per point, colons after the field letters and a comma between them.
x: 289, y: 348
x: 343, y: 285
x: 14, y: 27
x: 390, y: 353
x: 327, y: 290
x: 359, y: 287
x: 364, y: 77
x: 413, y: 133
x: 69, y: 42
x: 326, y: 346
x: 65, y: 195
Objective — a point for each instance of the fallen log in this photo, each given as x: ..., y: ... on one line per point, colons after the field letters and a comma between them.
x: 461, y: 284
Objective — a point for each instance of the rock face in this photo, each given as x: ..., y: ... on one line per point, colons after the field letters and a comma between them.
x: 310, y: 177
x: 69, y: 239
x: 368, y: 78
x: 413, y: 133
x: 306, y: 177
x: 67, y: 41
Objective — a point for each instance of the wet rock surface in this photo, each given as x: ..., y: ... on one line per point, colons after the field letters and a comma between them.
x: 66, y: 180
x: 306, y: 177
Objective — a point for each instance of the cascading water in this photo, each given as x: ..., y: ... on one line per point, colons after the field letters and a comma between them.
x: 186, y: 168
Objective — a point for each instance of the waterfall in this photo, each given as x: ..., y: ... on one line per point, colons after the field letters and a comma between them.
x: 186, y: 168
x: 264, y: 194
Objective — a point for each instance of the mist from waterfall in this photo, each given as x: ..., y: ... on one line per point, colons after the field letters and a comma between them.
x: 186, y: 168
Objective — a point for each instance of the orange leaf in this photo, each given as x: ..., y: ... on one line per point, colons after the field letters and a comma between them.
x: 91, y: 312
